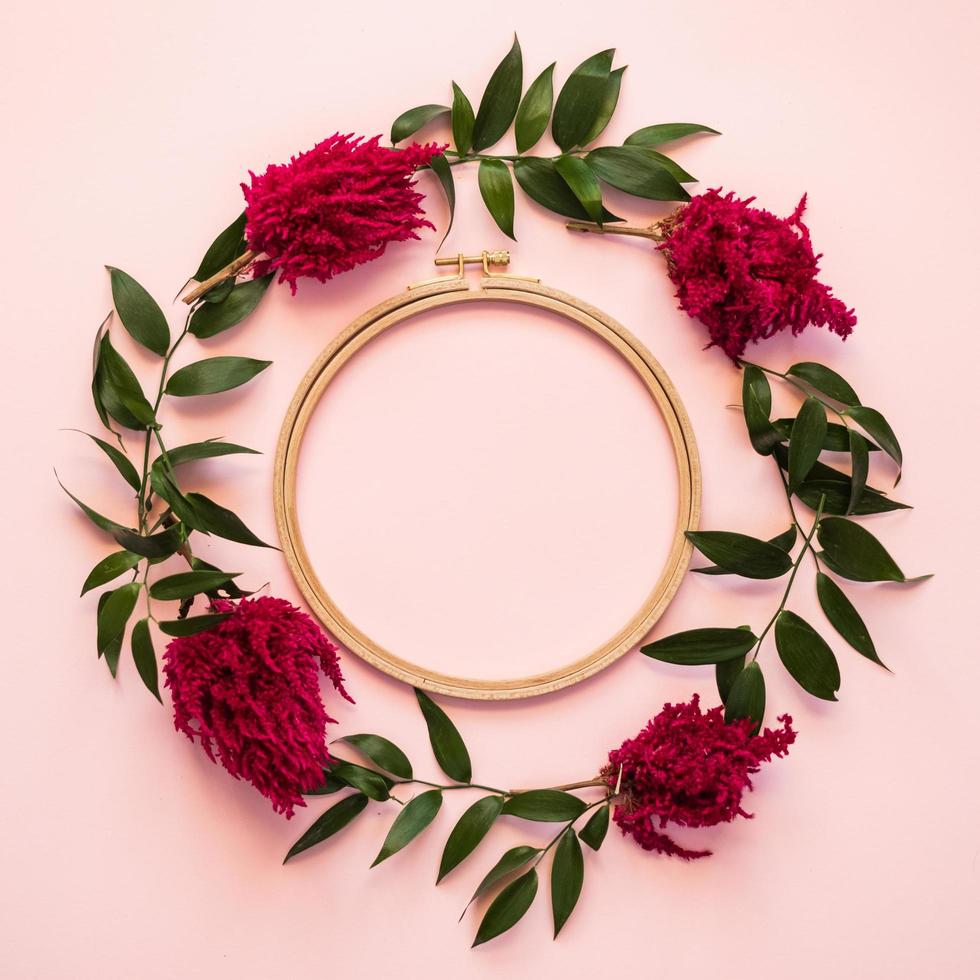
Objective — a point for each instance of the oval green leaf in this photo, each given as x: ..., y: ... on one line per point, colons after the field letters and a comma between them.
x: 594, y: 831
x: 806, y: 440
x: 507, y: 909
x: 567, y: 874
x: 203, y: 450
x: 192, y: 625
x: 224, y: 523
x: 580, y: 101
x: 139, y: 312
x: 447, y: 744
x: 756, y: 406
x: 119, y: 389
x: 214, y: 374
x: 535, y: 110
x: 856, y: 550
x: 859, y: 469
x: 543, y: 184
x: 747, y: 697
x: 845, y: 618
x: 119, y: 459
x: 382, y: 753
x: 462, y: 121
x: 583, y: 184
x: 498, y: 107
x: 412, y: 819
x: 156, y: 546
x: 875, y: 424
x: 544, y: 805
x: 412, y: 120
x: 112, y: 566
x: 144, y: 657
x: 827, y: 382
x: 183, y: 585
x: 633, y: 170
x: 512, y: 861
x: 837, y: 498
x: 227, y: 247
x: 497, y: 191
x: 726, y: 673
x: 784, y: 541
x: 806, y: 655
x: 665, y: 132
x: 114, y: 613
x: 610, y: 99
x: 836, y: 441
x: 439, y: 165
x: 470, y: 829
x: 372, y: 783
x: 741, y: 554
x: 710, y: 645
x: 329, y: 823
x: 211, y: 318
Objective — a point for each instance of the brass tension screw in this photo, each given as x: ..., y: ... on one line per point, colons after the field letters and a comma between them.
x: 485, y: 258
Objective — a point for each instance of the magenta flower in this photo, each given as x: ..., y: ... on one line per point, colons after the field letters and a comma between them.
x: 334, y: 207
x: 249, y: 691
x: 691, y: 768
x: 747, y: 274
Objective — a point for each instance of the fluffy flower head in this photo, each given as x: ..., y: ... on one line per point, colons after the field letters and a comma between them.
x: 689, y: 767
x: 747, y: 274
x: 333, y: 207
x: 249, y: 691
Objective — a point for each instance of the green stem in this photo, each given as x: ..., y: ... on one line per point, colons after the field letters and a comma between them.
x: 807, y: 544
x: 571, y: 823
x: 422, y: 782
x: 792, y: 577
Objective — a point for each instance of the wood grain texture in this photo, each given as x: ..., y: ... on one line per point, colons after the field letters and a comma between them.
x: 450, y: 292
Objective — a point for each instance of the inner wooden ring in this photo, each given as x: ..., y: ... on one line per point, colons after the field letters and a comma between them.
x: 451, y: 292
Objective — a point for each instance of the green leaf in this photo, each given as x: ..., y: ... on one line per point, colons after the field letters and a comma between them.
x: 139, y: 312
x: 845, y: 618
x: 756, y: 405
x: 382, y: 753
x: 193, y: 624
x: 500, y: 100
x: 227, y: 247
x: 112, y: 566
x: 439, y: 165
x: 859, y: 469
x: 836, y: 440
x: 726, y: 673
x: 497, y: 191
x: 229, y: 588
x: 674, y: 169
x: 119, y: 459
x: 160, y: 545
x: 583, y: 184
x: 710, y: 645
x: 535, y: 110
x: 447, y: 743
x: 330, y: 784
x: 856, y: 550
x: 594, y: 831
x: 634, y: 170
x: 827, y: 382
x: 567, y: 874
x: 784, y: 541
x: 741, y: 554
x: 412, y: 120
x: 581, y: 100
x: 507, y: 909
x: 806, y: 441
x: 213, y: 318
x: 144, y: 657
x: 838, y: 498
x: 119, y: 389
x: 223, y: 522
x: 665, y: 132
x: 875, y: 424
x: 544, y: 805
x: 470, y: 829
x: 462, y: 121
x: 610, y: 98
x: 115, y: 613
x: 806, y: 655
x: 93, y: 515
x: 220, y: 291
x: 186, y: 584
x: 512, y: 860
x: 214, y: 374
x: 412, y: 819
x: 369, y: 782
x: 203, y: 450
x: 542, y: 183
x: 329, y: 823
x: 114, y: 647
x: 165, y: 488
x: 747, y: 697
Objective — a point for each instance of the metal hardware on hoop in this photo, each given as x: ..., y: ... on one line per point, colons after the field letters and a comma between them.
x: 498, y: 257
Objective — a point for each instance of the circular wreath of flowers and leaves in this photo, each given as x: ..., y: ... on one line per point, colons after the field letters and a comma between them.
x: 243, y: 671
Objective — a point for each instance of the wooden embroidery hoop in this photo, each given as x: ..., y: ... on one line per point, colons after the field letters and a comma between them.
x: 449, y: 291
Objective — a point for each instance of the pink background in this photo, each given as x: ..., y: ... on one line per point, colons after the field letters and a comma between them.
x: 127, y: 854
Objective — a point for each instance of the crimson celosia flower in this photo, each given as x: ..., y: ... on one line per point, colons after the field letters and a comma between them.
x: 688, y: 767
x: 334, y: 207
x: 747, y: 274
x: 249, y: 690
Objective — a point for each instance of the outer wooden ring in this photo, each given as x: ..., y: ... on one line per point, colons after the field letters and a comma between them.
x: 446, y: 293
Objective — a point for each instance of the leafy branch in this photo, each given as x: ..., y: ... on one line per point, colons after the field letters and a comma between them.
x: 848, y: 550
x: 166, y: 515
x: 568, y: 183
x: 549, y: 805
